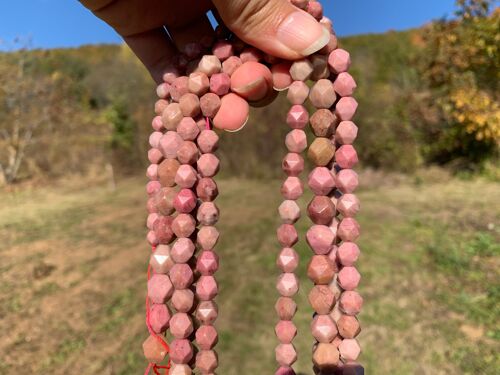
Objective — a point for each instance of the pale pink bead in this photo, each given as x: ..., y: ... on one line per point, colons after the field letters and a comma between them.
x: 163, y: 90
x: 159, y: 317
x: 321, y: 181
x: 186, y: 176
x: 187, y: 129
x: 349, y: 349
x: 348, y: 205
x: 220, y: 83
x: 320, y: 238
x: 210, y: 104
x: 323, y: 328
x: 348, y: 253
x: 293, y: 164
x: 289, y: 211
x: 296, y: 141
x: 292, y: 188
x: 150, y: 220
x: 152, y: 187
x: 344, y: 85
x: 348, y: 278
x: 346, y: 180
x: 223, y: 50
x: 183, y: 225
x: 151, y: 206
x: 346, y: 133
x: 152, y: 238
x: 322, y: 94
x: 160, y: 288
x: 160, y: 106
x: 351, y: 302
x: 339, y: 61
x: 152, y: 172
x: 154, y: 139
x: 250, y: 54
x: 179, y: 369
x: 207, y: 361
x: 281, y: 76
x: 157, y: 123
x: 285, y: 331
x: 181, y: 352
x: 288, y: 260
x: 206, y: 337
x: 287, y: 235
x: 286, y: 355
x: 187, y: 153
x: 287, y: 284
x: 346, y: 108
x: 301, y: 70
x: 206, y: 288
x: 231, y: 64
x: 208, y: 213
x: 346, y: 156
x: 207, y: 237
x: 198, y: 83
x: 209, y: 64
x: 181, y: 276
x: 348, y: 229
x: 155, y: 156
x: 208, y: 165
x: 179, y: 88
x: 182, y: 250
x: 183, y: 300
x: 207, y: 312
x: 189, y: 104
x: 297, y: 92
x: 208, y: 141
x: 169, y: 144
x: 161, y: 262
x: 181, y: 325
x: 207, y: 263
x: 297, y: 117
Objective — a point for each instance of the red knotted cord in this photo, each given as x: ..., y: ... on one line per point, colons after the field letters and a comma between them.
x: 151, y: 365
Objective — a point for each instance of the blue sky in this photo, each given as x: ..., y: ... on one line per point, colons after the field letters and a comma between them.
x: 65, y: 23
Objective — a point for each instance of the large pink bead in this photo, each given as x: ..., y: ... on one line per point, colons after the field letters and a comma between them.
x: 182, y: 250
x: 208, y: 141
x: 320, y: 270
x: 164, y: 200
x: 348, y: 229
x: 161, y: 260
x: 207, y: 263
x: 321, y: 181
x: 154, y: 139
x: 288, y: 260
x: 206, y: 288
x: 351, y: 302
x: 179, y: 87
x: 285, y: 331
x: 185, y: 201
x: 321, y: 210
x: 293, y: 164
x: 296, y: 141
x: 187, y: 129
x: 323, y: 328
x: 190, y: 105
x: 154, y: 351
x: 183, y: 225
x: 339, y: 61
x: 344, y: 85
x: 181, y: 325
x: 346, y: 156
x: 208, y: 165
x: 159, y: 317
x: 346, y: 133
x: 187, y: 153
x: 348, y: 278
x: 322, y: 299
x: 348, y: 253
x: 288, y: 284
x: 171, y: 116
x: 292, y: 188
x: 286, y: 355
x: 207, y: 237
x: 182, y: 300
x: 208, y: 213
x: 320, y: 238
x: 163, y: 228
x: 186, y: 176
x: 287, y: 235
x: 348, y: 205
x: 220, y: 83
x: 181, y: 351
x: 155, y: 156
x: 181, y: 276
x: 206, y: 337
x: 346, y: 108
x: 301, y: 70
x: 297, y: 117
x: 153, y: 187
x: 347, y: 180
x: 207, y: 312
x: 160, y: 288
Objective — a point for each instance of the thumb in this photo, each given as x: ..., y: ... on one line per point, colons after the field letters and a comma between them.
x: 274, y: 26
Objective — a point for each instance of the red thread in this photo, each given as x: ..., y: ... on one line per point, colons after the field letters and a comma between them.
x: 207, y: 123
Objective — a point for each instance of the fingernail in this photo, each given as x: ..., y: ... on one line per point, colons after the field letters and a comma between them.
x: 302, y: 33
x: 241, y: 127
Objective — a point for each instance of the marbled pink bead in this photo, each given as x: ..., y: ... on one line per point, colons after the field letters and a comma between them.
x: 349, y: 349
x: 182, y: 250
x: 209, y: 64
x: 163, y: 90
x: 220, y: 83
x: 187, y: 129
x: 348, y: 278
x: 230, y: 65
x: 186, y: 176
x: 320, y: 270
x: 190, y: 105
x: 161, y: 261
x: 287, y: 235
x: 160, y: 106
x: 206, y: 337
x: 207, y: 312
x: 289, y: 211
x: 151, y: 206
x: 206, y: 288
x: 286, y: 355
x: 181, y: 325
x: 322, y: 94
x: 208, y: 141
x: 346, y: 108
x: 315, y: 9
x: 152, y: 238
x: 348, y: 229
x: 154, y: 139
x: 323, y: 328
x: 292, y: 188
x: 346, y: 157
x: 320, y: 238
x: 321, y: 181
x: 163, y: 228
x: 223, y: 50
x: 181, y: 352
x: 348, y: 253
x: 183, y: 225
x: 351, y: 302
x: 207, y: 263
x: 339, y: 61
x: 348, y: 205
x: 285, y: 308
x: 170, y: 74
x: 206, y: 189
x: 182, y: 300
x: 181, y: 276
x: 185, y: 201
x: 346, y: 180
x: 159, y: 317
x: 207, y: 361
x: 198, y: 83
x: 285, y: 370
x: 288, y: 260
x: 287, y: 284
x: 152, y: 172
x: 297, y: 117
x: 180, y: 369
x: 157, y: 123
x: 208, y: 165
x: 297, y: 92
x: 154, y: 350
x: 293, y: 164
x: 155, y: 156
x: 346, y: 133
x: 160, y: 288
x: 179, y: 87
x: 296, y: 141
x: 321, y: 210
x: 208, y: 213
x: 344, y: 85
x: 285, y: 331
x: 169, y: 144
x: 152, y: 187
x: 151, y: 220
x: 301, y: 70
x: 210, y: 104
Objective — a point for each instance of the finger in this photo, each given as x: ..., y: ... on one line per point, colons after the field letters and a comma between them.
x: 192, y: 32
x: 232, y: 114
x: 155, y: 49
x: 274, y: 26
x: 252, y: 80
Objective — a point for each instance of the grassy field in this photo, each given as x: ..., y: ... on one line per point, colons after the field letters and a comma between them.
x: 73, y: 261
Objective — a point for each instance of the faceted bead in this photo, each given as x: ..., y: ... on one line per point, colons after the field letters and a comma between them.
x: 181, y: 276
x: 206, y: 337
x: 346, y: 157
x: 209, y: 64
x: 321, y: 210
x: 321, y: 151
x: 321, y: 181
x: 154, y: 351
x: 152, y: 187
x: 344, y: 85
x: 288, y: 260
x: 169, y: 144
x: 296, y: 141
x: 207, y: 361
x: 182, y: 300
x: 320, y: 270
x: 339, y: 61
x: 152, y: 172
x: 163, y: 90
x: 155, y: 156
x: 297, y: 117
x: 223, y: 50
x: 160, y: 106
x: 301, y: 70
x: 187, y: 129
x: 182, y: 250
x: 346, y: 133
x: 151, y: 238
x: 326, y: 356
x: 179, y: 87
x: 350, y: 302
x: 320, y: 67
x: 349, y: 349
x: 320, y: 238
x: 207, y: 237
x: 208, y: 141
x: 164, y: 200
x: 286, y: 355
x: 181, y: 351
x: 179, y: 369
x: 183, y: 225
x: 190, y: 105
x: 348, y: 205
x: 163, y: 228
x: 206, y: 288
x: 321, y: 299
x: 322, y: 94
x: 285, y: 331
x: 154, y: 139
x: 292, y: 188
x: 171, y: 116
x: 159, y: 317
x: 186, y: 176
x: 207, y: 263
x: 347, y: 181
x: 206, y: 189
x: 287, y: 285
x: 220, y: 83
x: 346, y: 108
x: 289, y: 211
x: 157, y: 123
x: 285, y: 308
x: 293, y: 164
x: 323, y: 328
x: 323, y: 123
x: 281, y: 76
x: 297, y: 92
x: 181, y: 325
x: 348, y: 326
x: 198, y: 83
x: 348, y: 253
x: 151, y: 206
x: 208, y: 213
x: 348, y: 278
x: 231, y: 64
x: 160, y: 288
x: 285, y: 370
x: 151, y: 220
x: 208, y: 165
x: 348, y: 229
x: 167, y: 171
x: 210, y: 104
x: 287, y: 235
x: 170, y: 74
x: 161, y: 260
x: 185, y: 201
x: 207, y: 312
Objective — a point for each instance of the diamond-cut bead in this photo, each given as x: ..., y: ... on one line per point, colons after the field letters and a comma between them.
x: 346, y: 108
x: 348, y: 229
x: 181, y: 351
x: 181, y: 276
x: 163, y: 229
x: 297, y: 92
x: 321, y: 151
x: 160, y: 288
x: 322, y: 94
x: 154, y: 351
x: 348, y: 205
x: 207, y: 263
x: 296, y: 141
x: 321, y: 181
x: 179, y: 87
x: 185, y: 201
x: 288, y: 260
x: 208, y: 141
x: 346, y: 133
x: 346, y: 157
x: 285, y: 308
x: 198, y: 83
x: 169, y: 144
x: 301, y: 70
x: 231, y: 64
x: 161, y: 260
x: 285, y: 331
x: 350, y: 302
x: 164, y: 200
x: 167, y: 171
x: 287, y: 285
x: 159, y: 317
x: 182, y: 300
x: 287, y: 235
x: 293, y: 164
x: 171, y: 116
x: 190, y: 105
x: 348, y: 278
x: 321, y: 299
x: 207, y: 361
x: 286, y: 355
x: 320, y: 270
x: 339, y: 61
x: 289, y: 211
x: 347, y: 181
x: 349, y: 349
x: 292, y: 188
x: 348, y: 253
x: 348, y: 326
x: 207, y: 237
x: 206, y: 288
x: 187, y: 153
x: 344, y: 85
x: 208, y: 165
x: 186, y: 176
x: 209, y: 64
x: 297, y: 117
x: 182, y: 250
x: 207, y: 312
x: 326, y: 356
x: 208, y: 213
x: 320, y: 238
x: 323, y: 123
x: 210, y: 104
x: 220, y: 83
x: 179, y: 369
x: 206, y: 337
x: 321, y: 210
x: 183, y: 225
x: 323, y: 328
x: 181, y: 325
x: 206, y: 189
